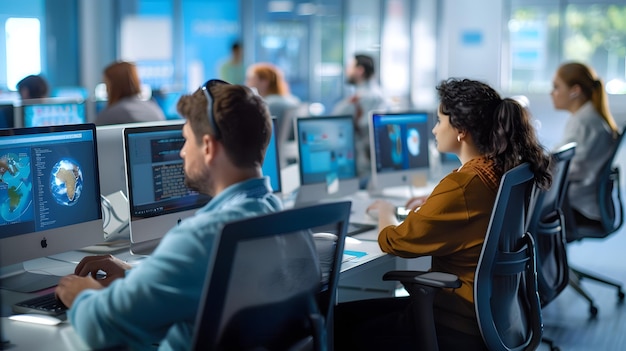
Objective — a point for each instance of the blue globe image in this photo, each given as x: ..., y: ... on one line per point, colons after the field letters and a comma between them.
x: 66, y: 182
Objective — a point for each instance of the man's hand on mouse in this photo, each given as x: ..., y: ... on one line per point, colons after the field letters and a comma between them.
x: 112, y: 266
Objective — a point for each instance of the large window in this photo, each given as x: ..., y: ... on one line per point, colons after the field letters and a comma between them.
x: 22, y: 48
x: 543, y: 34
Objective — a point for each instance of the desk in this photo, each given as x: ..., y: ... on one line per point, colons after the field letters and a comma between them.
x: 360, y: 278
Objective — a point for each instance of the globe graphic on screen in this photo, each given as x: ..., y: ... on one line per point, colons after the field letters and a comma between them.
x: 66, y: 182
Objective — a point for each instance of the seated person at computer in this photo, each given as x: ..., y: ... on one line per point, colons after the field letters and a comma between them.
x: 366, y: 97
x: 489, y: 135
x: 33, y: 87
x: 124, y: 104
x: 268, y: 80
x: 157, y: 301
x: 591, y: 126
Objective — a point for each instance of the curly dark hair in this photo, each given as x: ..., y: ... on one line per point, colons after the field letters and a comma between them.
x: 501, y: 128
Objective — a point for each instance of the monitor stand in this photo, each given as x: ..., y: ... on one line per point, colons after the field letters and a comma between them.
x: 16, y: 278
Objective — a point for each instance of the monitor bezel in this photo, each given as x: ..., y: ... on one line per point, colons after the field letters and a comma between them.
x: 404, y: 177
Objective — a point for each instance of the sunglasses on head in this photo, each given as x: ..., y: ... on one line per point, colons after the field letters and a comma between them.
x: 206, y: 89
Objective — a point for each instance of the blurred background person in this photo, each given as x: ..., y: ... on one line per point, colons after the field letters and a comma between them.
x: 124, y: 104
x: 269, y: 82
x: 577, y: 89
x: 232, y: 70
x: 33, y: 87
x: 367, y: 97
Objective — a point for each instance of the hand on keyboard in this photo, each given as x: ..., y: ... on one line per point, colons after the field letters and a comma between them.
x: 45, y: 304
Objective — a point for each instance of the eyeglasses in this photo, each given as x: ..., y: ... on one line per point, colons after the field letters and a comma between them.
x: 209, y: 97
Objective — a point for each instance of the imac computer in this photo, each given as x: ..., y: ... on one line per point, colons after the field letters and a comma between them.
x: 52, y: 111
x: 111, y: 153
x: 157, y: 196
x: 399, y: 149
x: 271, y: 163
x: 7, y: 115
x: 49, y: 198
x: 327, y: 160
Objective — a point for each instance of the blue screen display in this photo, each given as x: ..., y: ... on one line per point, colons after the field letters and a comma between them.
x: 271, y: 166
x: 400, y: 141
x: 49, y: 179
x: 53, y: 113
x: 326, y: 146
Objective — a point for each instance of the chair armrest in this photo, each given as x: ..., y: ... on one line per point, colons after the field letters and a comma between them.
x: 431, y: 279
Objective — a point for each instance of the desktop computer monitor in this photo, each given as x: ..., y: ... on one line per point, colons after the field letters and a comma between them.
x: 157, y: 196
x: 52, y: 111
x: 7, y: 115
x: 271, y: 163
x: 399, y: 149
x: 49, y: 198
x: 111, y: 153
x: 327, y: 160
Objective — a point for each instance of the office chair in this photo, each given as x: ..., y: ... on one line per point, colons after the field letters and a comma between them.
x: 505, y: 286
x: 612, y: 218
x: 272, y: 285
x: 547, y: 227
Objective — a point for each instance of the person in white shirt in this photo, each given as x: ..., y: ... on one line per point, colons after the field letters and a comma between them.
x: 580, y: 91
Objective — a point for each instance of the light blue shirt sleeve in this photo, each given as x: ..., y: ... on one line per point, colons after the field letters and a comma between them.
x: 157, y: 301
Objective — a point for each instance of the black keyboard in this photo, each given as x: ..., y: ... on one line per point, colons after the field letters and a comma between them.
x: 358, y: 228
x: 44, y: 304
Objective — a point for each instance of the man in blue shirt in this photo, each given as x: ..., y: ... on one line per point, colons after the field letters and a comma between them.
x: 226, y: 133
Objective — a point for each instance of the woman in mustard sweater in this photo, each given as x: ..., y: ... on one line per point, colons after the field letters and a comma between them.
x: 489, y: 135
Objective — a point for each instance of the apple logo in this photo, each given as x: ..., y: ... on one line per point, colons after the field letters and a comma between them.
x: 44, y: 243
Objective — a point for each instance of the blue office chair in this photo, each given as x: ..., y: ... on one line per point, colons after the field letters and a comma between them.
x: 272, y: 285
x: 612, y: 219
x: 547, y: 227
x: 505, y: 285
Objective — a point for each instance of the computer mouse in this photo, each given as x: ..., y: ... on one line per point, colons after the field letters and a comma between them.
x: 36, y: 318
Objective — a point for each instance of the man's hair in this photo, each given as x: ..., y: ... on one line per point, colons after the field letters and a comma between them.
x: 367, y: 62
x: 242, y: 117
x: 36, y: 85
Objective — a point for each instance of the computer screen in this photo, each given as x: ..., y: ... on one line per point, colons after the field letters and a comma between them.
x: 327, y: 160
x: 399, y: 148
x: 52, y: 111
x: 111, y: 154
x: 49, y: 192
x: 7, y: 115
x: 168, y: 102
x: 271, y: 165
x: 157, y: 195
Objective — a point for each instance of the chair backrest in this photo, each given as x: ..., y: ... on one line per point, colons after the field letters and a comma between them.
x: 505, y: 287
x: 270, y: 286
x: 547, y: 226
x: 609, y: 200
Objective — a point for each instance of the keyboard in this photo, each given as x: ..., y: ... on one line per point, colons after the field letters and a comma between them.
x: 358, y: 228
x: 44, y: 304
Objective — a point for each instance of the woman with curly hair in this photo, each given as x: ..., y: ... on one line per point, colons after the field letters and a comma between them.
x: 490, y: 136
